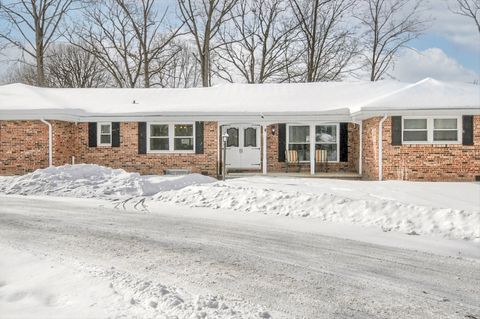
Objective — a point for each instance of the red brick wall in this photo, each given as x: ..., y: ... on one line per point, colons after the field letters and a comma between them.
x: 23, y: 146
x: 126, y: 156
x: 353, y: 148
x: 418, y: 162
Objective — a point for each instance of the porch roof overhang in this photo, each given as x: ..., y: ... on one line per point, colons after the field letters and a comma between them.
x: 78, y: 115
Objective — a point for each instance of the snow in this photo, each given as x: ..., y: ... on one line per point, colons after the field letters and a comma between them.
x: 448, y: 210
x: 68, y: 258
x: 33, y: 286
x: 339, y: 98
x: 93, y: 181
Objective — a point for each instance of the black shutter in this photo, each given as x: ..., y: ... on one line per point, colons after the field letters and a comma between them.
x: 343, y: 142
x: 467, y: 130
x: 396, y: 130
x: 92, y: 134
x: 142, y: 138
x: 199, y: 128
x: 115, y: 134
x: 282, y: 142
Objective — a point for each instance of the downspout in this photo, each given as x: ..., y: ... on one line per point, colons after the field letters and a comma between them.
x: 50, y: 142
x: 380, y: 148
x: 360, y: 155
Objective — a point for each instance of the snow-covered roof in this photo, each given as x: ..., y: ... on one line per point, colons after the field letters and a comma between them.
x: 341, y: 98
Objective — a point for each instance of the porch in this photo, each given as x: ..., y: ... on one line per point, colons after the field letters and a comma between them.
x: 322, y: 148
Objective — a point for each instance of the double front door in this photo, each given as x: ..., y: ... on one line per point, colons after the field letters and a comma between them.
x: 243, y: 146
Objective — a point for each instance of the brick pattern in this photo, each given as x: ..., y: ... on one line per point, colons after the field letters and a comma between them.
x: 419, y: 162
x: 23, y: 146
x: 353, y: 149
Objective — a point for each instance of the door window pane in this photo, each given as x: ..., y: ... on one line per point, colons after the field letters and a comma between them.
x: 446, y: 124
x: 232, y: 140
x: 250, y: 137
x: 415, y: 136
x: 415, y: 124
x: 326, y: 134
x: 299, y: 134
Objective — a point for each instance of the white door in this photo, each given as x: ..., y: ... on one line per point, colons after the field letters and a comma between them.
x: 243, y: 146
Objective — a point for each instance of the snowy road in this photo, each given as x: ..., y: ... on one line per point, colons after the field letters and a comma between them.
x: 254, y: 269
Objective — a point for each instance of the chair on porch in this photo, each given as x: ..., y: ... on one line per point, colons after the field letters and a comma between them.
x: 321, y: 160
x: 291, y: 159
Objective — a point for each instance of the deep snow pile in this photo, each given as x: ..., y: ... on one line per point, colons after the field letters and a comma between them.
x: 388, y: 213
x: 93, y: 181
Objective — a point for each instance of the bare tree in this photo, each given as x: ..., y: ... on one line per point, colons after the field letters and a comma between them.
x: 389, y: 24
x: 106, y: 33
x: 32, y: 25
x: 470, y: 9
x: 21, y: 73
x: 328, y: 42
x: 181, y: 70
x: 72, y: 67
x: 204, y: 19
x: 257, y: 40
x: 147, y: 24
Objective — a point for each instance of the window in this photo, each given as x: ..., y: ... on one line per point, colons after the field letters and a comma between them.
x: 164, y: 138
x: 415, y: 130
x: 159, y: 140
x: 183, y: 137
x: 326, y: 139
x: 104, y: 134
x: 431, y: 130
x: 299, y: 140
x: 445, y: 130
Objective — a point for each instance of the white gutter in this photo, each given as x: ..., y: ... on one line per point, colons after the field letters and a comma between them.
x: 50, y: 142
x: 380, y: 147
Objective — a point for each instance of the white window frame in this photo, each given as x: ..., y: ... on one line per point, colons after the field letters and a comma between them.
x: 326, y: 143
x: 288, y: 137
x: 430, y: 129
x: 99, y: 134
x: 310, y: 126
x: 171, y: 138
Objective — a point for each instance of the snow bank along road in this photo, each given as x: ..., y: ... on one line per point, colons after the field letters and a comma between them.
x: 64, y: 257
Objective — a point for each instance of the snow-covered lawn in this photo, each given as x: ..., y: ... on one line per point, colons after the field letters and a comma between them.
x: 449, y: 210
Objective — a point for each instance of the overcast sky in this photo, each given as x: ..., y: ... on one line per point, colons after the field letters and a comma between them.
x: 449, y: 50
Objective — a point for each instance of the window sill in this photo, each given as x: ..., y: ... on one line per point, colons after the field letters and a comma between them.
x: 431, y: 143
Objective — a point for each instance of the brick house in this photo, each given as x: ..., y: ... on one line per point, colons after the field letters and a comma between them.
x: 428, y: 130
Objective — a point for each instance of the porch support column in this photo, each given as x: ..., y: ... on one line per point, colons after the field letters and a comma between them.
x: 312, y: 149
x: 264, y: 149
